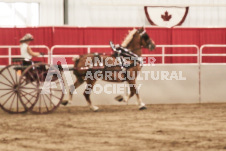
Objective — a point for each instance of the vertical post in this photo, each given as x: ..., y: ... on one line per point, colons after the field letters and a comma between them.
x: 88, y: 50
x: 200, y: 62
x: 49, y: 56
x: 200, y: 55
x: 66, y: 12
x: 10, y: 55
x: 163, y: 55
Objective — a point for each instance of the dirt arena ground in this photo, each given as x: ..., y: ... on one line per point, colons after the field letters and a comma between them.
x: 197, y: 127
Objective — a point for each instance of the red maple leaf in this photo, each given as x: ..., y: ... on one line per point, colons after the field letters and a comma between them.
x: 166, y: 16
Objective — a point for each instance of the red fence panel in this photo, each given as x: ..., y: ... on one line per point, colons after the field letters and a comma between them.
x: 51, y: 36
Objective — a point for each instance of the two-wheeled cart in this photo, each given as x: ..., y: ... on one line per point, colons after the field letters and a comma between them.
x: 37, y: 88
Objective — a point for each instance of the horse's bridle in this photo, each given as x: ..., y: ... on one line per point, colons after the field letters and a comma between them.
x: 141, y: 36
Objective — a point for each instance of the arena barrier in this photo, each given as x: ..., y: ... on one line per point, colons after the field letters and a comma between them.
x: 205, y: 82
x: 14, y: 52
x: 152, y: 91
x: 213, y: 76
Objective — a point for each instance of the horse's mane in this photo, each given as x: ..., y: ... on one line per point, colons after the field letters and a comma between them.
x: 128, y: 38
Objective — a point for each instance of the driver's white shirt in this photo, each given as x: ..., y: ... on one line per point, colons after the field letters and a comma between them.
x: 23, y: 51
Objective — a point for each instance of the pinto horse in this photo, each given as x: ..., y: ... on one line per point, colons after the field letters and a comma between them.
x: 135, y: 40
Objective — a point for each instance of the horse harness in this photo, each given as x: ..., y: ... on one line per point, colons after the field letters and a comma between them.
x: 123, y: 66
x: 119, y: 53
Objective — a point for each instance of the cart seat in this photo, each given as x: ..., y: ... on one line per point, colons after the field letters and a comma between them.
x: 17, y: 59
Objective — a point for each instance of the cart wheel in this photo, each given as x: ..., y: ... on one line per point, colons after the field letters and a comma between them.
x: 49, y: 87
x: 9, y: 90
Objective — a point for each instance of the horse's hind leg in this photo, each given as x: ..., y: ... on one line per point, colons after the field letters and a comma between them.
x: 134, y: 90
x: 140, y: 102
x: 72, y: 88
x: 87, y: 92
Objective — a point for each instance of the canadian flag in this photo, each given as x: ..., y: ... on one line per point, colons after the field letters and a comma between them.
x: 166, y: 16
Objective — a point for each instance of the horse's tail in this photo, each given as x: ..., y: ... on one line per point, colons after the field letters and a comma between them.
x: 75, y: 58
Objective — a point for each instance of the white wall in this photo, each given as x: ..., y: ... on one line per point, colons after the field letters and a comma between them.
x: 51, y: 11
x: 131, y: 12
x: 82, y: 13
x: 213, y: 83
x: 113, y: 13
x: 212, y: 80
x: 152, y: 91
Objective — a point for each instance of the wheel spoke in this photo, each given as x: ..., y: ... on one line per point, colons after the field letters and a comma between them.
x: 7, y: 99
x: 6, y: 78
x: 28, y: 93
x: 45, y: 102
x: 33, y: 79
x: 31, y: 74
x: 28, y: 88
x: 17, y: 109
x: 50, y: 100
x: 33, y: 84
x: 12, y: 101
x: 37, y: 75
x: 6, y: 89
x: 40, y: 104
x: 7, y: 93
x: 56, y: 90
x: 16, y: 75
x: 11, y: 76
x: 6, y: 84
x: 28, y: 100
x: 22, y: 82
x: 56, y: 97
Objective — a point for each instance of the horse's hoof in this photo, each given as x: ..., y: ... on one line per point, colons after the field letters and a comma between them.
x: 94, y: 108
x: 120, y: 98
x: 142, y: 108
x: 65, y: 102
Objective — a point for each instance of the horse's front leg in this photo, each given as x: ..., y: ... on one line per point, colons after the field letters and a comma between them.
x: 87, y: 92
x: 134, y: 90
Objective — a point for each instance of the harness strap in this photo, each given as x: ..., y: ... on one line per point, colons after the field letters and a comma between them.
x: 141, y: 34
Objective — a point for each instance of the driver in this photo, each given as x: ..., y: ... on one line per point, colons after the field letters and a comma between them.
x: 26, y: 51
